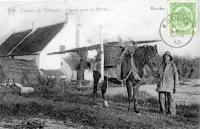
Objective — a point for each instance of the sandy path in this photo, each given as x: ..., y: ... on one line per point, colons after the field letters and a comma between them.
x: 187, y: 93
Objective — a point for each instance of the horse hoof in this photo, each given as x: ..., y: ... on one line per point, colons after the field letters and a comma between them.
x: 94, y: 106
x: 139, y: 114
x: 105, y: 104
x: 136, y: 111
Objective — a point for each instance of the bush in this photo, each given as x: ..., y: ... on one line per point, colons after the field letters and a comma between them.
x: 187, y: 67
x: 189, y: 111
x: 45, y: 91
x: 50, y: 87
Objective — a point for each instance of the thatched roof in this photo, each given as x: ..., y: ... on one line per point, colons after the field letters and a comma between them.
x: 33, y: 43
x: 38, y: 40
x: 12, y: 41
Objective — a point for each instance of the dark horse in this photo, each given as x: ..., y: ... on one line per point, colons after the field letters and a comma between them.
x: 144, y: 55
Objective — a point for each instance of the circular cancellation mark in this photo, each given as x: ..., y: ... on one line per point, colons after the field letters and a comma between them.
x: 176, y: 30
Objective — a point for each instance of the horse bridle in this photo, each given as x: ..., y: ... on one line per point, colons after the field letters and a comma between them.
x: 150, y: 62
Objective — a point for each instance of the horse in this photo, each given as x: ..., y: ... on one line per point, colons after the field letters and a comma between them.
x: 144, y: 55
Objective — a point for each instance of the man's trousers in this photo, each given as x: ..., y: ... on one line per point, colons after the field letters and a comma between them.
x: 167, y: 103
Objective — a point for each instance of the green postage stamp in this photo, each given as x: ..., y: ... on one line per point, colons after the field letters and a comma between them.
x: 183, y: 17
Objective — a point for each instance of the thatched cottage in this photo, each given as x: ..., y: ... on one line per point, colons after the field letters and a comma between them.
x: 30, y: 44
x: 35, y: 44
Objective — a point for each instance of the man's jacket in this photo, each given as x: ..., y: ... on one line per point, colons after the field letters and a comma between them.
x: 168, y: 77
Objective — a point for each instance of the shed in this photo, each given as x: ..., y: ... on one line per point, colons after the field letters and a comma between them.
x: 22, y: 71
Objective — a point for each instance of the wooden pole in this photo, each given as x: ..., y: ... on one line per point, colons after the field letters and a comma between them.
x: 102, y: 56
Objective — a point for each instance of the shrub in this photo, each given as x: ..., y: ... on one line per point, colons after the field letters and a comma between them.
x: 189, y: 111
x: 187, y: 67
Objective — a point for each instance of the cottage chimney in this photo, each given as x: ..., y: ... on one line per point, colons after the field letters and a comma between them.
x: 77, y: 36
x: 78, y: 25
x: 62, y: 48
x: 66, y: 17
x: 13, y: 31
x: 32, y: 26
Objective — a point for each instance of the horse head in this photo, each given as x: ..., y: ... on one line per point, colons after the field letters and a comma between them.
x: 148, y: 55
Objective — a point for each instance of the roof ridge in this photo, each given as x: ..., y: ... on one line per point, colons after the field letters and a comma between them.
x: 21, y: 31
x: 63, y: 22
x: 57, y: 32
x: 41, y: 35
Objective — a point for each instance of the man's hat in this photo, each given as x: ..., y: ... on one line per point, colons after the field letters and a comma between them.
x: 169, y: 54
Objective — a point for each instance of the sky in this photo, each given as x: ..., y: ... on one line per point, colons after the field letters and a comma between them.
x: 129, y: 20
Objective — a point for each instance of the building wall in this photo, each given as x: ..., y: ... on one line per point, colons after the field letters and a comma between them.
x: 66, y: 37
x: 21, y: 71
x: 30, y: 57
x: 67, y: 70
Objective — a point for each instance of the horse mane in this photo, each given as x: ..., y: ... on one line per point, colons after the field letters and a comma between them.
x: 141, y: 56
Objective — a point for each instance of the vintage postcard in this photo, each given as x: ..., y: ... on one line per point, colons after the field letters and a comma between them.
x: 92, y: 64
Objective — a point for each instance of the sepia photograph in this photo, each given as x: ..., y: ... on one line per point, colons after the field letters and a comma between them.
x: 99, y: 64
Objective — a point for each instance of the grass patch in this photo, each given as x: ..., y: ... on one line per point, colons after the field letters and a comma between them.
x: 189, y: 111
x: 75, y: 106
x: 196, y: 85
x: 86, y: 116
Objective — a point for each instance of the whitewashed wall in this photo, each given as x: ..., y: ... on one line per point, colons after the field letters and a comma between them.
x: 65, y: 37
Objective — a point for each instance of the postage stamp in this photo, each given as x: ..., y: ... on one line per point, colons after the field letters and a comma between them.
x: 178, y: 28
x: 184, y: 17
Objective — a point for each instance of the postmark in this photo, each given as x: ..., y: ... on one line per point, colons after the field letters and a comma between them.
x: 171, y: 38
x: 177, y: 29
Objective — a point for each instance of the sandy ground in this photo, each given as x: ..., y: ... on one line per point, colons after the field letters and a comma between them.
x: 187, y: 93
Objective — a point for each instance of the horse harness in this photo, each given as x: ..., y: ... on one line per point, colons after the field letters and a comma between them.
x: 123, y: 81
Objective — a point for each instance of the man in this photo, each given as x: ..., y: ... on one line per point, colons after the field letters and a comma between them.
x: 167, y: 85
x: 97, y: 62
x: 96, y: 67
